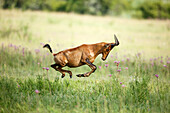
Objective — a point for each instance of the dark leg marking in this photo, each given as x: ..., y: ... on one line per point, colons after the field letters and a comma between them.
x: 54, y: 66
x: 92, y: 66
x: 80, y: 75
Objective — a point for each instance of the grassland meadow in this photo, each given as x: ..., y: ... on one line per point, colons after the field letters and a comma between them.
x: 135, y: 78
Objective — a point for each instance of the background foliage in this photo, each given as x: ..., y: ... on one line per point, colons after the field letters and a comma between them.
x: 133, y: 8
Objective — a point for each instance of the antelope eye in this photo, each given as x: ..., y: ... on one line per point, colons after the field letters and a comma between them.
x: 107, y: 49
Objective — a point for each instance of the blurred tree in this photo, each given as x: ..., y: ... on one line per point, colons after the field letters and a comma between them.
x: 77, y: 6
x: 118, y: 6
x: 8, y: 3
x: 94, y: 7
x: 156, y: 9
x: 139, y: 8
x: 55, y: 5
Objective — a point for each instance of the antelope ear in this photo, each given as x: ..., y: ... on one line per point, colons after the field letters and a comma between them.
x: 106, y: 45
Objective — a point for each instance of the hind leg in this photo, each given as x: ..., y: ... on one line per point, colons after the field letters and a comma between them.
x: 58, y: 69
x: 67, y: 71
x: 61, y: 70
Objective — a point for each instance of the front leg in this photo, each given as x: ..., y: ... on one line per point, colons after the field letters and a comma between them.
x: 92, y: 66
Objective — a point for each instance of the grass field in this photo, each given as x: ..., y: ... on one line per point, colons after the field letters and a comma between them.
x: 142, y: 85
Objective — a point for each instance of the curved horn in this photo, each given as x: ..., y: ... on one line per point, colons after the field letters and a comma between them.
x: 116, y: 41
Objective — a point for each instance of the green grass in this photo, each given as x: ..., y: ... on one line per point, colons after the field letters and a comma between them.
x: 22, y: 59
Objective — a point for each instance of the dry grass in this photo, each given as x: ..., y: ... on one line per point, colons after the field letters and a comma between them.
x: 152, y: 37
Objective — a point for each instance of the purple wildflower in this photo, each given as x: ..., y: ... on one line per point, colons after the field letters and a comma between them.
x: 37, y: 51
x: 106, y: 65
x: 36, y: 91
x: 15, y: 47
x: 100, y: 67
x: 44, y: 68
x: 152, y: 63
x: 42, y: 43
x: 110, y: 75
x: 155, y: 59
x: 47, y: 68
x: 165, y: 65
x: 161, y: 61
x: 115, y: 61
x: 123, y: 85
x: 126, y: 68
x: 138, y: 54
x: 120, y: 82
x: 168, y: 62
x: 119, y: 70
x: 157, y: 75
x: 10, y: 45
x: 23, y: 51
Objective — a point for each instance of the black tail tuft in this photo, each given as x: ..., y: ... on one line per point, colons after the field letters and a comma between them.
x: 48, y: 46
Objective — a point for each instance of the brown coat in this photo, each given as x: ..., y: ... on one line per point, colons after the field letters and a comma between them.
x: 81, y: 55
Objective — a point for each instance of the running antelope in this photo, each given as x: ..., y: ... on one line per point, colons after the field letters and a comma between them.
x: 81, y: 55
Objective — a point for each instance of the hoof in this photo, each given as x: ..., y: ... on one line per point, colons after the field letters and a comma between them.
x: 62, y: 76
x: 70, y: 76
x: 80, y: 75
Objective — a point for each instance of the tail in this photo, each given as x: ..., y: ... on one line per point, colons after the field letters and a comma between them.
x: 48, y: 46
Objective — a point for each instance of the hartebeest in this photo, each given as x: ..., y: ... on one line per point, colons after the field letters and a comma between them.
x: 81, y: 55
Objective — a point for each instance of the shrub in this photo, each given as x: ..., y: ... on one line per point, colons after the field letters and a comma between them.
x: 155, y: 10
